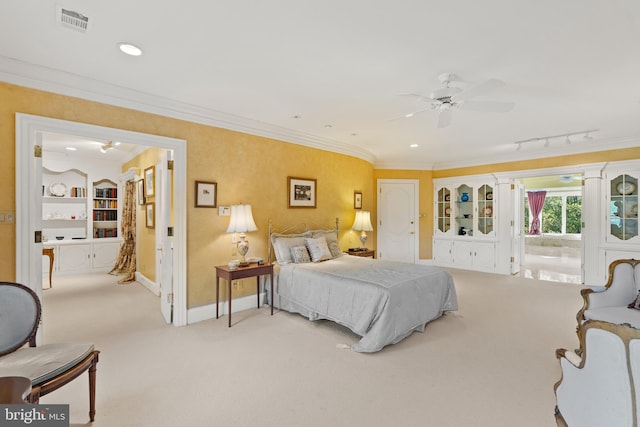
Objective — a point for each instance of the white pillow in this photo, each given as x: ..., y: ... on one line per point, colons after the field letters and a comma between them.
x: 282, y: 244
x: 318, y: 249
x: 300, y: 254
x: 332, y: 241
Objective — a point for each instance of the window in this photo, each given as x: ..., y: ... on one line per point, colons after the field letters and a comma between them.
x: 561, y: 213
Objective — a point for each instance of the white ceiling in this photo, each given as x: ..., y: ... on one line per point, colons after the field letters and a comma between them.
x: 568, y: 65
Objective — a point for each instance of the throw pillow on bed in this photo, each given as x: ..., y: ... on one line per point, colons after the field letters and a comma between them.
x: 636, y: 303
x: 300, y: 254
x: 335, y: 250
x: 318, y: 249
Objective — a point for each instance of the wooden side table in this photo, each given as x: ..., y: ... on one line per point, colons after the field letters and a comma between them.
x: 365, y: 253
x: 252, y: 270
x: 49, y: 252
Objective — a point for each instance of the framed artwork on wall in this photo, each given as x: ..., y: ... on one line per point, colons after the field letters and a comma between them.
x: 151, y: 215
x: 149, y: 180
x: 302, y: 192
x: 206, y: 194
x: 357, y: 200
x: 141, y: 196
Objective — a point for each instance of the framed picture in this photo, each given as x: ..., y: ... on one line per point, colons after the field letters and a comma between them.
x: 141, y: 196
x: 302, y: 192
x: 151, y: 215
x: 149, y: 180
x: 206, y: 194
x: 357, y: 200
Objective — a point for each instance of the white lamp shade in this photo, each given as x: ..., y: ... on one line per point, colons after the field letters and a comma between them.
x: 241, y: 219
x: 363, y: 221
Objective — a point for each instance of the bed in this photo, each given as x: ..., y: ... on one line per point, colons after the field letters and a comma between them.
x: 381, y: 301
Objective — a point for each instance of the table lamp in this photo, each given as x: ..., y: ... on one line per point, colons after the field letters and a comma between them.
x: 241, y: 221
x: 363, y: 224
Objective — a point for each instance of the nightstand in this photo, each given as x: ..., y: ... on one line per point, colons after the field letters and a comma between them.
x: 252, y: 270
x: 365, y: 253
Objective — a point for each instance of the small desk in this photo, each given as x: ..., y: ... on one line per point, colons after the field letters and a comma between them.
x: 49, y: 252
x: 14, y: 390
x: 252, y: 270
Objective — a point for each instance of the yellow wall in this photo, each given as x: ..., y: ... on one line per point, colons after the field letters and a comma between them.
x: 145, y: 237
x: 247, y: 168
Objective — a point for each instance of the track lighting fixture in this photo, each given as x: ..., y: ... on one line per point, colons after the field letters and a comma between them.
x: 566, y: 136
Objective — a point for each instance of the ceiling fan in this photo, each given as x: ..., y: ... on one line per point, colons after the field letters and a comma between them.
x: 448, y: 98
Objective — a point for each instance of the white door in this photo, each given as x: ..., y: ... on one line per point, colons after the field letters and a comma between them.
x: 164, y: 238
x: 397, y: 213
x: 518, y: 228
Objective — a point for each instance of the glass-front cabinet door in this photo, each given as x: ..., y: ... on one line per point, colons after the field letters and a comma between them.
x: 485, y: 210
x: 443, y: 210
x: 623, y: 207
x: 464, y: 210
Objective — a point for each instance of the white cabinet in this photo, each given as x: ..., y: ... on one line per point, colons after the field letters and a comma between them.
x: 82, y: 256
x: 620, y: 234
x: 465, y: 254
x: 74, y: 258
x: 465, y: 223
x: 104, y: 254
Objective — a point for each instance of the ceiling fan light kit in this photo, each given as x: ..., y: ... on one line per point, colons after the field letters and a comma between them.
x: 448, y: 98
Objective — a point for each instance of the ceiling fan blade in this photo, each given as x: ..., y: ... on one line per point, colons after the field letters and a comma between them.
x: 480, y: 89
x: 489, y: 106
x: 444, y: 118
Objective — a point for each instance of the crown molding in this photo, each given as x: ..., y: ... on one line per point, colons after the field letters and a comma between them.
x: 575, y: 148
x: 51, y: 80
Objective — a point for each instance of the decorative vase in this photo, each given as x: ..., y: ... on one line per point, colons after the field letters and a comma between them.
x: 464, y: 197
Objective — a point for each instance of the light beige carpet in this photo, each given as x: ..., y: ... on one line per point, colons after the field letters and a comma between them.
x: 490, y: 364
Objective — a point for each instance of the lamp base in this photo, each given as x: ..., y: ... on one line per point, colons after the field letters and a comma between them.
x: 243, y: 248
x: 363, y: 239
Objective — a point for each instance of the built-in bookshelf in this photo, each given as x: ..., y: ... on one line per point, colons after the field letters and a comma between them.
x: 105, y: 209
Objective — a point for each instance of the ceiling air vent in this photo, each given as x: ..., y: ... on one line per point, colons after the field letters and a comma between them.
x: 72, y: 19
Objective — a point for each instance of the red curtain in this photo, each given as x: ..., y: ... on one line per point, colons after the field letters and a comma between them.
x: 536, y: 202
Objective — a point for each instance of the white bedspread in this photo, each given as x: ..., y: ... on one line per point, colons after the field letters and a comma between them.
x: 382, y: 301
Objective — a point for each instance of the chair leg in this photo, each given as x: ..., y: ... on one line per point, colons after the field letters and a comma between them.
x: 92, y: 390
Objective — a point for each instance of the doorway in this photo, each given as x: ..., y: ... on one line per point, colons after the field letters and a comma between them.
x: 29, y: 130
x: 397, y: 231
x: 555, y: 254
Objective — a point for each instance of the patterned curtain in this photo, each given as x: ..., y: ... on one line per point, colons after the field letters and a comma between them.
x: 126, y: 262
x: 536, y: 202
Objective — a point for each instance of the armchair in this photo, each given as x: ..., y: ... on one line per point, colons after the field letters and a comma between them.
x: 610, y: 304
x: 48, y: 366
x: 599, y: 388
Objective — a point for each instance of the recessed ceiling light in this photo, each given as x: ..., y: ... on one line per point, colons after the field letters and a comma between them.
x: 130, y: 49
x: 414, y: 146
x: 71, y: 148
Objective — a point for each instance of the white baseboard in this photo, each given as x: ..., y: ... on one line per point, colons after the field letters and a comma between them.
x: 425, y: 262
x: 152, y: 286
x: 206, y: 312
